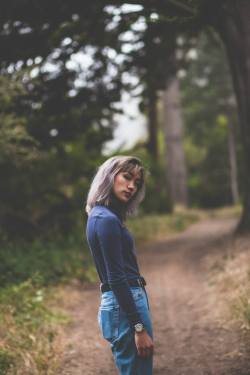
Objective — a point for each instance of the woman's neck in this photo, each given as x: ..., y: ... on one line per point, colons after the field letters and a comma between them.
x: 118, y: 207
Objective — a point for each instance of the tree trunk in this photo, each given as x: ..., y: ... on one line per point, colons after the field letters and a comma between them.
x: 232, y: 162
x: 173, y: 132
x: 233, y: 24
x: 152, y: 125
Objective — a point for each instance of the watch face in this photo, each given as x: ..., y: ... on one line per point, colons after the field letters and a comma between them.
x: 139, y: 327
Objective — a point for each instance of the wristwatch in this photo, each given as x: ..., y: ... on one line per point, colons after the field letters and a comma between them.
x: 139, y: 327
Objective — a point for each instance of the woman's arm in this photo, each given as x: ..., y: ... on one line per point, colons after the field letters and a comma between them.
x: 109, y: 234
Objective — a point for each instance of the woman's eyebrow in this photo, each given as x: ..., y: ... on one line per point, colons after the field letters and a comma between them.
x: 131, y: 174
x: 139, y: 179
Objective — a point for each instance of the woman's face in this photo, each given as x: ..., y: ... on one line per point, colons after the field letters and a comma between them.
x: 126, y: 185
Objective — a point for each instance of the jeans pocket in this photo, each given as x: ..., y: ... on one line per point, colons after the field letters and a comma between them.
x: 108, y: 320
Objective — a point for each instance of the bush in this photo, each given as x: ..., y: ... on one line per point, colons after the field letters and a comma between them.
x: 51, y: 262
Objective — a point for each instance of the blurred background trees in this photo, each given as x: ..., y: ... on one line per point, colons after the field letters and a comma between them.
x: 212, y: 137
x: 64, y: 68
x: 56, y: 114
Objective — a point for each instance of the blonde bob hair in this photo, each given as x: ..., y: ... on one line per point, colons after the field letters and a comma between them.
x: 100, y: 191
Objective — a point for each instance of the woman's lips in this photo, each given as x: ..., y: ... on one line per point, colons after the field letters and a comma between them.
x: 127, y: 194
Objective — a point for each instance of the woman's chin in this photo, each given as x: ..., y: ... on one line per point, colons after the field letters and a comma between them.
x: 124, y: 199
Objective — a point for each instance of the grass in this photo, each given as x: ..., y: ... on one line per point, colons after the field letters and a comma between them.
x: 153, y: 227
x: 30, y: 317
x: 231, y: 282
x: 227, y: 211
x: 28, y: 326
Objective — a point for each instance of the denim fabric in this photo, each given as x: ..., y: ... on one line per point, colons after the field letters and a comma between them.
x: 116, y: 329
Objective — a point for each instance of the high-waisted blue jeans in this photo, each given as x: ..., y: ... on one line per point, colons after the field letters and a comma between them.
x: 117, y: 331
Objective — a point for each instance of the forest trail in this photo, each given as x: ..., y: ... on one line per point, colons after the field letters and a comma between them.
x: 189, y: 338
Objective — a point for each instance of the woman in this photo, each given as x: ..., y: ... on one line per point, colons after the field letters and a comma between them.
x: 124, y: 316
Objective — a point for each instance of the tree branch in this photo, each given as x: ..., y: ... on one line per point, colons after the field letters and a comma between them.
x: 181, y: 6
x: 178, y: 4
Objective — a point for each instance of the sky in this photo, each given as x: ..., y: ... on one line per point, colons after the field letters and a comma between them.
x: 131, y: 126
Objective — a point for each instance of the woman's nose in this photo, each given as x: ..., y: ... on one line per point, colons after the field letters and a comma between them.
x: 131, y: 185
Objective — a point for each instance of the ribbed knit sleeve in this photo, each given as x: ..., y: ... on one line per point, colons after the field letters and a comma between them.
x: 108, y: 231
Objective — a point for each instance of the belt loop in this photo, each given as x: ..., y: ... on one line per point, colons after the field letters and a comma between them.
x: 140, y: 282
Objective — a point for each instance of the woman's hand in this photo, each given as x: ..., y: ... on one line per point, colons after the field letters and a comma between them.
x: 144, y: 344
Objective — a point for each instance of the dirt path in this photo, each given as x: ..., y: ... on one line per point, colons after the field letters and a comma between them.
x: 188, y: 337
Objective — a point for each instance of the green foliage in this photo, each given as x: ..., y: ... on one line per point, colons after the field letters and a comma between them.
x: 54, y: 114
x: 67, y: 257
x: 7, y: 361
x: 43, y: 180
x: 157, y: 199
x: 16, y: 144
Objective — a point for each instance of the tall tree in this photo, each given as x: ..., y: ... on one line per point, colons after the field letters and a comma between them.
x: 230, y: 110
x: 231, y: 20
x: 173, y: 130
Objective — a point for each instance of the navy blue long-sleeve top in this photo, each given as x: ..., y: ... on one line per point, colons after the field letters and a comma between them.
x: 113, y: 250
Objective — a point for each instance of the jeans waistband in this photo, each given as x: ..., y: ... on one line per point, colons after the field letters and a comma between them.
x: 140, y: 282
